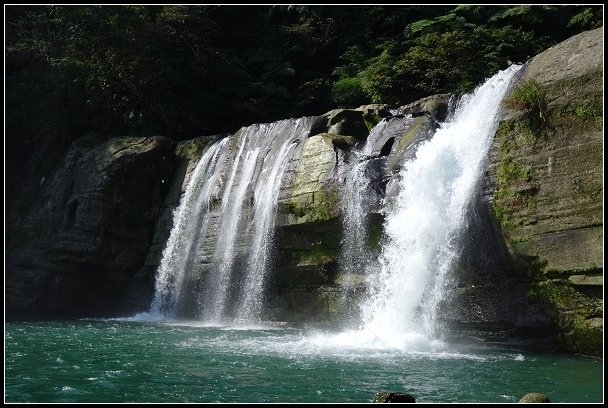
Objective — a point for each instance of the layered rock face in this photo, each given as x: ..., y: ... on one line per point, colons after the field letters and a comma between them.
x: 75, y: 246
x: 310, y: 279
x: 549, y: 189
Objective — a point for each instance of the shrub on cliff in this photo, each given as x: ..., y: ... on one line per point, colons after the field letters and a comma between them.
x: 530, y: 98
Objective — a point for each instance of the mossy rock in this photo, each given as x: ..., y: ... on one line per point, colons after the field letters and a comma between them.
x: 585, y: 336
x: 190, y: 149
x: 340, y: 141
x: 193, y: 148
x: 533, y: 398
x: 419, y: 124
x: 314, y: 197
x: 435, y: 106
x: 348, y: 122
x: 317, y: 256
x: 318, y: 206
x: 549, y: 192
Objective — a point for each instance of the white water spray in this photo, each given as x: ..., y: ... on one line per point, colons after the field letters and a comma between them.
x: 200, y: 272
x: 422, y: 226
x: 225, y: 246
x: 354, y: 258
x: 265, y: 201
x: 193, y: 206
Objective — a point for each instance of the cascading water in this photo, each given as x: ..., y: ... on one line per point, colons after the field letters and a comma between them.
x: 361, y: 196
x: 423, y: 224
x: 232, y: 205
x: 190, y: 218
x: 355, y: 208
x: 207, y: 241
x: 267, y: 191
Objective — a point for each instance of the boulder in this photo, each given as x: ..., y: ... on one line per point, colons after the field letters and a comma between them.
x: 435, y: 107
x: 534, y: 398
x: 374, y: 113
x: 386, y: 396
x: 314, y: 196
x: 348, y: 122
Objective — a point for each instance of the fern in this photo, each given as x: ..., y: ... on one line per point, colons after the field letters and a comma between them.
x: 583, y: 20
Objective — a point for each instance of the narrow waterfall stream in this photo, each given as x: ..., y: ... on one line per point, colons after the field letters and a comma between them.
x: 190, y: 218
x: 356, y: 206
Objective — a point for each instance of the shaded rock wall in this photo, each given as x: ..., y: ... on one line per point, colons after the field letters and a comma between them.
x: 75, y: 248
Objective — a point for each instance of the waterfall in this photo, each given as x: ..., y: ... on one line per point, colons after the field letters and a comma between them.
x: 190, y: 218
x: 361, y: 196
x: 423, y: 223
x: 232, y: 206
x: 214, y: 265
x: 355, y: 203
x: 219, y: 252
x: 266, y: 195
x: 356, y: 206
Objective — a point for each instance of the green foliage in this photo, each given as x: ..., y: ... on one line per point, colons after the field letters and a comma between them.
x: 348, y: 92
x: 591, y: 109
x: 442, y: 62
x: 584, y: 337
x: 318, y: 255
x: 513, y: 190
x: 530, y: 98
x: 293, y: 207
x: 587, y: 19
x: 514, y: 187
x: 519, y: 240
x: 184, y: 71
x: 508, y: 170
x: 420, y: 25
x: 502, y: 216
x: 355, y: 59
x: 525, y: 173
x: 448, y: 20
x: 529, y: 14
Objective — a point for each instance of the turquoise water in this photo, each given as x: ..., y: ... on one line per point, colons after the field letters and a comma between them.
x: 130, y: 361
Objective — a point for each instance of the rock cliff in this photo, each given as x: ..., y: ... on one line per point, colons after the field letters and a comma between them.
x: 549, y: 191
x: 74, y: 247
x: 88, y: 237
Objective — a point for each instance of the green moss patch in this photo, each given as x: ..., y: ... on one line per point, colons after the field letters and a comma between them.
x: 320, y: 255
x: 190, y: 149
x: 530, y: 99
x: 321, y: 205
x: 584, y: 337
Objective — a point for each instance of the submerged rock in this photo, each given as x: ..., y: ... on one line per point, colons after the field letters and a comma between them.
x: 533, y: 398
x: 385, y: 396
